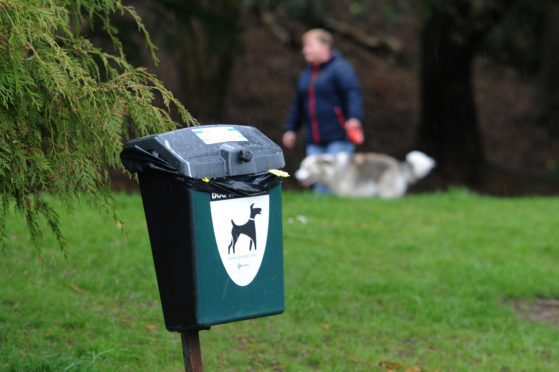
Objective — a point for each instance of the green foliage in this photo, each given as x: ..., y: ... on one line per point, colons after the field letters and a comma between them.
x: 514, y: 27
x: 517, y: 40
x: 66, y: 106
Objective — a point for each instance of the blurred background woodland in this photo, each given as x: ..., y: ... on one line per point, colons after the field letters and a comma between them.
x: 472, y: 83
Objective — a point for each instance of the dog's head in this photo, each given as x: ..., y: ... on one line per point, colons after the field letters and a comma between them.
x: 318, y: 169
x: 420, y: 163
x: 254, y: 211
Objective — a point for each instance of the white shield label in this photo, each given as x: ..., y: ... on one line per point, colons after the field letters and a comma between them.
x: 241, y: 229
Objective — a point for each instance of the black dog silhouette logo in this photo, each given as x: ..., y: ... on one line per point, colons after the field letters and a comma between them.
x: 241, y: 229
x: 248, y: 228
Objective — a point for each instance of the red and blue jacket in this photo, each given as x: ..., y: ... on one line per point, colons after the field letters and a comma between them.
x: 327, y: 95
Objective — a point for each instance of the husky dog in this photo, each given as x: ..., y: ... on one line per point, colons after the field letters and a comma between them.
x: 365, y: 174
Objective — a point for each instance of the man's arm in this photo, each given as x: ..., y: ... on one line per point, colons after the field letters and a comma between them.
x: 349, y: 86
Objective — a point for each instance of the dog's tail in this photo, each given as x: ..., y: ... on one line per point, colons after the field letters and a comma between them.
x: 420, y: 163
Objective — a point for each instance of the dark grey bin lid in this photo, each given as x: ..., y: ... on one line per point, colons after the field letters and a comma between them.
x: 213, y: 151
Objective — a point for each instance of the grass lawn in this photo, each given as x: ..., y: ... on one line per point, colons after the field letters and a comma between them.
x: 419, y: 283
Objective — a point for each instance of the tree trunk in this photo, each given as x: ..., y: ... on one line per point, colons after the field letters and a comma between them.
x: 209, y: 43
x: 547, y: 90
x: 448, y: 129
x: 201, y: 37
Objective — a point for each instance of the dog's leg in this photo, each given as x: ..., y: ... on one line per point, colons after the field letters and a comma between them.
x: 251, y: 232
x: 234, y: 237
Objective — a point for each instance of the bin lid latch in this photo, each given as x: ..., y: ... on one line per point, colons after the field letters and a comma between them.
x: 238, y: 159
x: 245, y: 156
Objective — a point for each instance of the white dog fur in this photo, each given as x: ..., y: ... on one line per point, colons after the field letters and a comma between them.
x: 365, y: 174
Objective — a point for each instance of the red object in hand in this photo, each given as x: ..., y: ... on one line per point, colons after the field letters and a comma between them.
x: 355, y: 134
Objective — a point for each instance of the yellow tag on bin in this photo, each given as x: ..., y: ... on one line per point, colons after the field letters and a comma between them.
x: 279, y: 173
x: 206, y: 180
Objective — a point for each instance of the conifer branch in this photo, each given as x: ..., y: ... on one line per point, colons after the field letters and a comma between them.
x: 66, y: 107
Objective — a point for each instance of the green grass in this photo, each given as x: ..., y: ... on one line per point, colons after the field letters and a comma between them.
x: 370, y: 285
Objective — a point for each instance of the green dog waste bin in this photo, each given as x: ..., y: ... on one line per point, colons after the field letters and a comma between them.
x: 213, y: 212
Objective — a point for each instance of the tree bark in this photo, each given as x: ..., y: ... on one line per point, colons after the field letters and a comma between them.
x: 547, y: 90
x: 448, y: 129
x: 209, y: 43
x: 203, y: 36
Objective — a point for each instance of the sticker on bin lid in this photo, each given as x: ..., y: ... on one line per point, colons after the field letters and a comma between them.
x: 219, y: 134
x: 240, y: 230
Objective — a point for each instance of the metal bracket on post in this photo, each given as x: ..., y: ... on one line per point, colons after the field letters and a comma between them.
x: 191, y: 351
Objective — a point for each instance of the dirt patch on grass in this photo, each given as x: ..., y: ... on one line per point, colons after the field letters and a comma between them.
x: 541, y: 310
